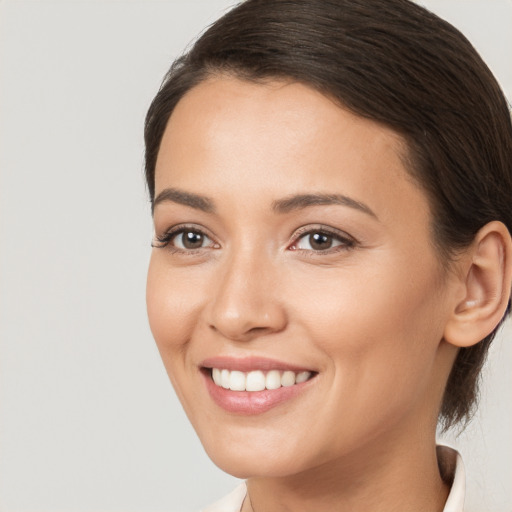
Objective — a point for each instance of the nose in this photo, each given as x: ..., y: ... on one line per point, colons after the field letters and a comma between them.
x: 245, y: 303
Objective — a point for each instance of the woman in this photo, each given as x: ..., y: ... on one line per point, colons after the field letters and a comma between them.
x: 331, y: 185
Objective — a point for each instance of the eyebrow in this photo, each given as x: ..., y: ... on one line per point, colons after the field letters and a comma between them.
x: 298, y: 202
x: 175, y: 195
x: 285, y: 205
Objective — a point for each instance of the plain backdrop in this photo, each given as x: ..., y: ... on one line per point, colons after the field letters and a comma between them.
x: 88, y: 419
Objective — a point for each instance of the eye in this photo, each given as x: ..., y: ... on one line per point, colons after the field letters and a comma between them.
x: 189, y: 240
x: 320, y: 240
x: 184, y: 239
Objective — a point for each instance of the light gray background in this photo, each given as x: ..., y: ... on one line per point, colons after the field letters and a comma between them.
x: 88, y: 419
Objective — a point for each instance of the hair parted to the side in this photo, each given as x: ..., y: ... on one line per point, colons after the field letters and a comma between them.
x: 393, y: 62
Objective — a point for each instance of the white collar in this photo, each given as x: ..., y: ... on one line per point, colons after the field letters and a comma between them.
x: 455, y: 502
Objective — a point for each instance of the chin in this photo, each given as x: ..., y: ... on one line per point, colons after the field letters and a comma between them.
x: 249, y: 466
x: 261, y: 455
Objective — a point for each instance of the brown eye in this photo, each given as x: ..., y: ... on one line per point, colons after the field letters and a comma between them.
x: 184, y: 239
x: 189, y: 240
x: 320, y: 241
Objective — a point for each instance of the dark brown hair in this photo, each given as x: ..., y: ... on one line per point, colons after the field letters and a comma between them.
x: 393, y: 62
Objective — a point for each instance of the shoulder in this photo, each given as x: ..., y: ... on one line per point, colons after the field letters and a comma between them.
x: 230, y: 503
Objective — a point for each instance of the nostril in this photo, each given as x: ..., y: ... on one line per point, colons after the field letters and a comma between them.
x: 240, y: 332
x: 243, y: 335
x: 259, y: 330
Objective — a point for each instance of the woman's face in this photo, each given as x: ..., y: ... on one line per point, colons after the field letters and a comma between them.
x: 289, y: 238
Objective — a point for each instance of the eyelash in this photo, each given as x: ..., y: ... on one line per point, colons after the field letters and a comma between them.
x: 347, y: 242
x: 166, y: 238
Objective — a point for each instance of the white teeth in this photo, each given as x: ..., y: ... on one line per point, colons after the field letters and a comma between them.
x: 273, y: 380
x: 302, y: 377
x: 288, y: 379
x: 216, y: 376
x: 257, y: 380
x: 224, y: 379
x: 237, y: 381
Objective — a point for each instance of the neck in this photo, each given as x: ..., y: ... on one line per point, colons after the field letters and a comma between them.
x: 381, y: 480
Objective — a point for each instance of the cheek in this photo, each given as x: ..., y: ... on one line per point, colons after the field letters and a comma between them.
x: 360, y: 304
x: 379, y: 324
x: 173, y: 303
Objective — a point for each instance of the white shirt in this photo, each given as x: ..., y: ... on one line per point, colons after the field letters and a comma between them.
x: 455, y: 502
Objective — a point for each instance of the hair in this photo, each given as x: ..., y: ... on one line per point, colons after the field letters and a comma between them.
x: 395, y: 63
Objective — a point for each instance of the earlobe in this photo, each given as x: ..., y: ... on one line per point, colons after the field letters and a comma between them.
x: 487, y: 276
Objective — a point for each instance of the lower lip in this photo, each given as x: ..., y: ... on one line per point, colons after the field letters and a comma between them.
x: 252, y: 402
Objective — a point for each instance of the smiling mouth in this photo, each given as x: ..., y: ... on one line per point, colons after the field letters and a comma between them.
x: 254, y: 385
x: 257, y: 380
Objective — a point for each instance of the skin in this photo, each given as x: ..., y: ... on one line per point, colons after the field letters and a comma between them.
x: 368, y: 315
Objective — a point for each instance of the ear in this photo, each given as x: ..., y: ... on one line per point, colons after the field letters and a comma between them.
x: 486, y: 278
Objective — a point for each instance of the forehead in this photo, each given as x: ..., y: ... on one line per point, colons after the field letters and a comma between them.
x: 280, y: 138
x: 290, y: 108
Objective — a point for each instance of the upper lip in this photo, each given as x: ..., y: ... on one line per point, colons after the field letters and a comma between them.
x: 247, y: 364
